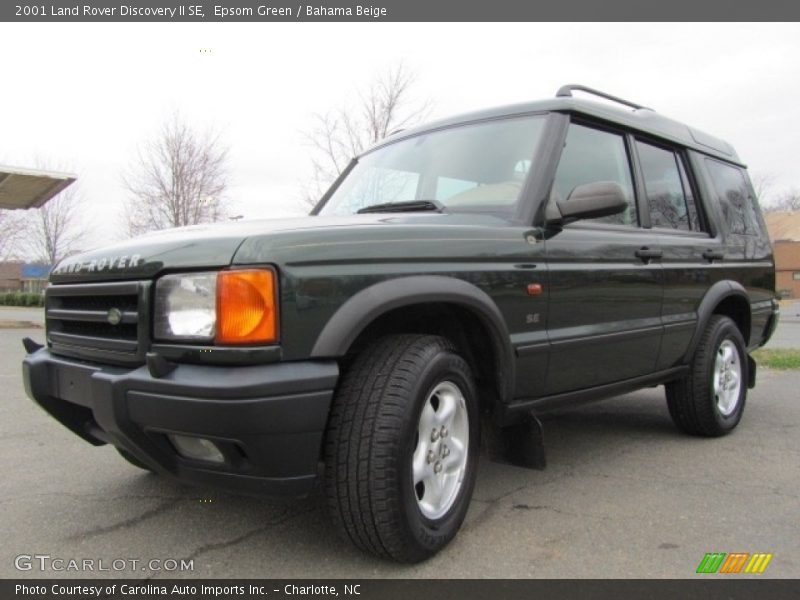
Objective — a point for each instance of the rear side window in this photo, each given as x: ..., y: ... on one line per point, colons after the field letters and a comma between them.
x: 669, y: 195
x: 735, y: 200
x: 591, y: 155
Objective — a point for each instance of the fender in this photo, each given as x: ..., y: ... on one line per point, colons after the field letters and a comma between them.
x: 715, y: 294
x: 370, y: 303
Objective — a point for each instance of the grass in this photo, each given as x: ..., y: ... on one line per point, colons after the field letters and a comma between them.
x: 778, y: 358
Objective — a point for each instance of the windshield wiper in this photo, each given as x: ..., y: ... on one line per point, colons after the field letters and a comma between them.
x: 408, y: 206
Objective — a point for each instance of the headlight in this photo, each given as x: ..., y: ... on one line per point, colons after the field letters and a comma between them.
x: 186, y: 307
x: 238, y: 306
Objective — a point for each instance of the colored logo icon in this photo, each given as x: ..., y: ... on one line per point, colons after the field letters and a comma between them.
x: 735, y: 562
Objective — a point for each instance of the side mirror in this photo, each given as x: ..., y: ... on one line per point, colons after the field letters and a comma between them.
x: 592, y: 200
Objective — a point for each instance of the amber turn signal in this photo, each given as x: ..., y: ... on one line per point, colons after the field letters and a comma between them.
x: 247, y: 307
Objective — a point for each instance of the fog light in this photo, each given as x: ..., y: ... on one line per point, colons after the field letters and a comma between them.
x: 196, y: 448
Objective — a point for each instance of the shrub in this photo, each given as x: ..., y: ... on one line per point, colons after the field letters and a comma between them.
x: 33, y: 299
x: 21, y: 299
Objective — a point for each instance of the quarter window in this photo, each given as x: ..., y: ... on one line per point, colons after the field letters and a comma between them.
x: 589, y: 156
x: 735, y: 200
x: 669, y: 195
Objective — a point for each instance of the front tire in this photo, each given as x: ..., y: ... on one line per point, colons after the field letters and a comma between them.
x: 401, y: 447
x: 710, y: 400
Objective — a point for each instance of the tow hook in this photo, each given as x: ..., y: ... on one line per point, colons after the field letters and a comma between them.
x: 31, y: 346
x: 158, y: 365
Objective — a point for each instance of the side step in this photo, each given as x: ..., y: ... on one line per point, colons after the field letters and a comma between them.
x: 521, y: 445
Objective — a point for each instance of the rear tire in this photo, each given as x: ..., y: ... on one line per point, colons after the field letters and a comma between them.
x: 398, y: 481
x: 710, y: 400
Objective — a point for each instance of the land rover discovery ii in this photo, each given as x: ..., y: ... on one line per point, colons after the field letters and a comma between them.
x: 457, y: 281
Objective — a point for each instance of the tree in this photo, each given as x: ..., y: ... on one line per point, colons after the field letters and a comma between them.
x: 771, y: 201
x: 11, y: 228
x: 179, y: 178
x: 346, y: 131
x: 786, y: 201
x: 54, y: 230
x: 763, y: 184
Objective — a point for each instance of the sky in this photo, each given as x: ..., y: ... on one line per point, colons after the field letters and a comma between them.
x: 84, y: 96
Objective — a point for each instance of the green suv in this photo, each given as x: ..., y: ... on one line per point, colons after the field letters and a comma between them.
x: 457, y: 281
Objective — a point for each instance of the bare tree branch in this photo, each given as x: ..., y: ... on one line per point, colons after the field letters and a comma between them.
x: 763, y: 184
x: 55, y: 231
x: 179, y: 178
x: 45, y: 234
x: 786, y: 201
x: 348, y: 130
x: 12, y: 233
x: 771, y: 200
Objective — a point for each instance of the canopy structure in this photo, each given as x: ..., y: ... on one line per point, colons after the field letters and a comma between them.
x: 28, y: 188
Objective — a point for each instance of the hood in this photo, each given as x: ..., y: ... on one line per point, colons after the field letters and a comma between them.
x: 269, y: 240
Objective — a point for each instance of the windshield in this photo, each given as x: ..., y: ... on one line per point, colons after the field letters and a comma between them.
x: 469, y: 168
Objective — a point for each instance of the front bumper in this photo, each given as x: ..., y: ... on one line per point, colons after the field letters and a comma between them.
x: 268, y: 420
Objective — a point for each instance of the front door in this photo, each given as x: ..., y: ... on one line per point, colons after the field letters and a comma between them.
x: 605, y: 277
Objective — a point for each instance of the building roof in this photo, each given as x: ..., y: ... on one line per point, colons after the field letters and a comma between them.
x: 29, y: 188
x: 783, y: 226
x: 35, y: 271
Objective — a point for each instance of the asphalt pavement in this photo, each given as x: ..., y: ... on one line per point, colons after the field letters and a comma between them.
x: 787, y: 335
x: 16, y: 315
x: 624, y: 495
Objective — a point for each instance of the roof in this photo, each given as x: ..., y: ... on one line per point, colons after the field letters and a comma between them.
x: 641, y: 119
x: 35, y: 271
x: 783, y: 226
x: 28, y: 188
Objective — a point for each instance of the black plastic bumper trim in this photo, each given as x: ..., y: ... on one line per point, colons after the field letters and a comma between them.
x: 275, y: 414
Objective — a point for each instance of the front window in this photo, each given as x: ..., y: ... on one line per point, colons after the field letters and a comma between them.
x: 592, y: 155
x: 470, y: 168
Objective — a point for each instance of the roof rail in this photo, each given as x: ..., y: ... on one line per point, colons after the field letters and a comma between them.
x: 565, y: 91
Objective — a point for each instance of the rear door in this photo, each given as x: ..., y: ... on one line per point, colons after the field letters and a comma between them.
x: 748, y: 257
x: 605, y: 277
x: 691, y: 256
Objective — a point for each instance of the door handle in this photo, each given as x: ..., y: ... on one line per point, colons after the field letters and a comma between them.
x: 647, y: 254
x: 712, y: 255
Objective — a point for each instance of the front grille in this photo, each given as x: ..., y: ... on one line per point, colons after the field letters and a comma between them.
x: 123, y: 331
x: 78, y: 321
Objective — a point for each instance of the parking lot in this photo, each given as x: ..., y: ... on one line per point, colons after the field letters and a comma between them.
x: 788, y: 333
x: 624, y: 495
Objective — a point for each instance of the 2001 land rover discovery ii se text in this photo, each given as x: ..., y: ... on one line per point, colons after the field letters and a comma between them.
x: 458, y: 279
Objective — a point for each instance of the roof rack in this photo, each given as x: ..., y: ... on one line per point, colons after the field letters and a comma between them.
x: 565, y: 91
